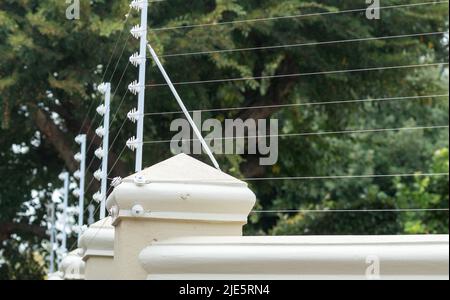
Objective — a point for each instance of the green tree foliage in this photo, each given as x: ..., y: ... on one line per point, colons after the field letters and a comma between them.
x: 50, y: 66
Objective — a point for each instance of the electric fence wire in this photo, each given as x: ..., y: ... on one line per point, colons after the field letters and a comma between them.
x: 125, y: 22
x: 121, y: 78
x: 317, y: 133
x: 311, y: 178
x: 297, y: 45
x: 301, y: 74
x: 309, y: 103
x: 190, y: 26
x: 116, y: 112
x: 304, y: 211
x: 110, y: 148
x: 114, y: 164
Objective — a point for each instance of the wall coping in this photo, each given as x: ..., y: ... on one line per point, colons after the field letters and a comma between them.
x: 298, y: 257
x: 98, y: 239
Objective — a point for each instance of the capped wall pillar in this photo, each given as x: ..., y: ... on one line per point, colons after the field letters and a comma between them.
x: 178, y: 197
x: 72, y: 266
x: 97, y: 244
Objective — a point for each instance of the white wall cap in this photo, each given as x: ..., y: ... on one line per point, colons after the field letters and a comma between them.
x: 72, y: 266
x: 184, y: 169
x: 298, y: 257
x: 98, y: 239
x: 183, y: 188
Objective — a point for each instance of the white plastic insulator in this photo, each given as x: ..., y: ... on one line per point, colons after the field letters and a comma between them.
x: 116, y: 181
x: 137, y: 31
x: 133, y: 115
x: 114, y: 211
x: 83, y: 229
x: 134, y: 87
x: 98, y: 175
x: 99, y: 153
x: 101, y: 110
x: 97, y: 197
x: 77, y: 174
x: 78, y: 157
x: 76, y: 193
x: 138, y: 4
x: 136, y: 59
x: 100, y: 131
x: 79, y: 139
x: 132, y: 143
x: 102, y: 88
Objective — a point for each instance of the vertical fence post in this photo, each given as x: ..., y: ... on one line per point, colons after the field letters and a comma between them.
x: 139, y: 59
x: 102, y: 152
x: 51, y: 232
x: 91, y: 217
x: 65, y: 177
x: 80, y: 175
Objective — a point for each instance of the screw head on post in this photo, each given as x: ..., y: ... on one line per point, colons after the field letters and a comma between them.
x: 140, y: 180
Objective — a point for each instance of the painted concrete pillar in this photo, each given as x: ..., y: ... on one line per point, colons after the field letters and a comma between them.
x: 97, y: 244
x: 178, y: 197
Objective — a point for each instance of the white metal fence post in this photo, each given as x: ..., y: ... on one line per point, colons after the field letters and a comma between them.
x: 51, y: 232
x: 102, y: 153
x: 65, y: 177
x: 80, y: 175
x: 139, y: 59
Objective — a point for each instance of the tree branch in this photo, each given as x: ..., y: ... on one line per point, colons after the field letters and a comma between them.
x: 57, y: 138
x: 6, y: 229
x: 278, y: 92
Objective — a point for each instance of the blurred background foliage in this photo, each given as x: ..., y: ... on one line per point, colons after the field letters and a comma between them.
x: 50, y: 67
